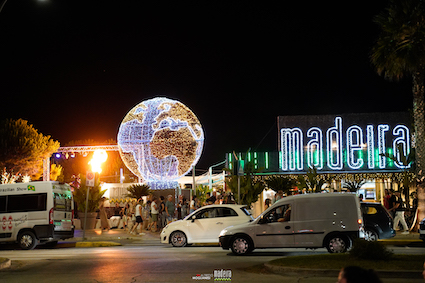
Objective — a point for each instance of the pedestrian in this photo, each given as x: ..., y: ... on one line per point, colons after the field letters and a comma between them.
x: 154, y: 215
x: 139, y: 220
x: 387, y: 199
x: 146, y: 214
x: 355, y: 274
x: 267, y: 203
x: 392, y: 201
x: 192, y: 204
x: 399, y: 214
x: 277, y: 196
x: 104, y: 224
x: 162, y: 219
x: 126, y: 215
x: 116, y: 218
x: 184, y: 207
x: 170, y: 208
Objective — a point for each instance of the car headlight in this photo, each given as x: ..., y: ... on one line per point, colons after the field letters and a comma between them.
x: 223, y: 232
x: 163, y: 229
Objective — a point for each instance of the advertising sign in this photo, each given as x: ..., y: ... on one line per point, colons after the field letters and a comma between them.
x: 343, y: 143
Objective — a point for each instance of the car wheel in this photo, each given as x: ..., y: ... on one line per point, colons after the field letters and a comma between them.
x: 27, y: 240
x: 370, y: 235
x: 241, y: 246
x: 337, y: 244
x: 178, y: 239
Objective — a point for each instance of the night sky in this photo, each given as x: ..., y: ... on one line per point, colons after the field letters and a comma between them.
x: 74, y: 69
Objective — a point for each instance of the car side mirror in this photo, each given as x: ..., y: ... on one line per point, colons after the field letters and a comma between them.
x: 193, y: 218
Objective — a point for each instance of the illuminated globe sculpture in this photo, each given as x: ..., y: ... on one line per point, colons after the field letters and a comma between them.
x: 159, y: 140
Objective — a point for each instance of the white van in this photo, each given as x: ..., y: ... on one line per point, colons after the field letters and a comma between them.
x: 36, y: 213
x: 330, y: 220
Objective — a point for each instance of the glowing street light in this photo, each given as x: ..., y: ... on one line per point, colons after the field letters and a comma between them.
x: 99, y: 157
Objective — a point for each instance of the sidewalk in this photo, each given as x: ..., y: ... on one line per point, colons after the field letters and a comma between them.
x: 113, y: 237
x: 404, y: 240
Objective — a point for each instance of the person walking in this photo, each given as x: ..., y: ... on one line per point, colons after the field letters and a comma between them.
x: 399, y: 214
x: 139, y: 220
x: 104, y: 224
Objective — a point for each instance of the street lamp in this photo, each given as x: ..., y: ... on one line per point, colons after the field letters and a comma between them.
x: 99, y: 157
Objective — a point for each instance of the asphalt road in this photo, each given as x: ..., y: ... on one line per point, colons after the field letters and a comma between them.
x: 153, y: 264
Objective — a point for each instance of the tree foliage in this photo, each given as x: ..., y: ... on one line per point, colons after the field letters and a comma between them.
x: 400, y: 51
x: 311, y: 181
x: 138, y: 190
x: 95, y: 194
x: 23, y: 148
x: 250, y: 189
x: 353, y: 186
x: 201, y: 192
x: 277, y: 183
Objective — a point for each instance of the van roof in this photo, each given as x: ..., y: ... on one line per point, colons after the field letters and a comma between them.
x: 320, y: 195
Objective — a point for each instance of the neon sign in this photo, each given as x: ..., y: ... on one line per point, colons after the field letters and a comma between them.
x: 341, y: 146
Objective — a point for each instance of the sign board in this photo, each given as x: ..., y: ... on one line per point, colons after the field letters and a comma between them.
x: 343, y: 143
x: 90, y: 179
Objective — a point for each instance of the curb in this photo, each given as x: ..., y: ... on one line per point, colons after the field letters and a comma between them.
x: 96, y: 244
x: 5, y: 263
x: 284, y: 270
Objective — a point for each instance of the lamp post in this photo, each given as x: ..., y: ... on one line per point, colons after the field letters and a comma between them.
x: 99, y: 157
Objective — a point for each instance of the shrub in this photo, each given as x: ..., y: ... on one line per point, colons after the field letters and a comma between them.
x: 363, y: 249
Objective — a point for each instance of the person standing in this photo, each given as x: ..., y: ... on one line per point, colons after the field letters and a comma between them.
x: 162, y: 222
x: 193, y: 204
x: 399, y: 214
x: 104, y: 224
x: 170, y: 208
x: 154, y: 214
x: 387, y: 199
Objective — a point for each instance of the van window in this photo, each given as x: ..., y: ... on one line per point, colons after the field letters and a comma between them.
x: 3, y: 204
x: 280, y: 213
x: 28, y: 202
x: 62, y: 201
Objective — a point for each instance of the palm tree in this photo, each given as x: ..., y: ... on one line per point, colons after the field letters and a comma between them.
x: 398, y: 52
x: 277, y: 183
x: 138, y: 190
x: 353, y: 186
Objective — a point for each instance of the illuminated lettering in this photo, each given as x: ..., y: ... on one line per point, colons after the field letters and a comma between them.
x: 314, y: 148
x: 334, y: 145
x: 370, y: 147
x: 292, y: 149
x: 354, y: 145
x: 404, y: 140
x: 381, y: 144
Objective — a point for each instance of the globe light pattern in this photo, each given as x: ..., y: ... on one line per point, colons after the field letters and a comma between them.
x: 159, y: 140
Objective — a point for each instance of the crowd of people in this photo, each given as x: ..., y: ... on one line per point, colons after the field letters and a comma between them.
x: 154, y: 213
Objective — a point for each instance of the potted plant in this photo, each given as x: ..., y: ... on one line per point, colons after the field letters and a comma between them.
x: 80, y: 195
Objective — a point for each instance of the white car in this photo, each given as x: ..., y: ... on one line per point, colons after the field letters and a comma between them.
x: 204, y: 225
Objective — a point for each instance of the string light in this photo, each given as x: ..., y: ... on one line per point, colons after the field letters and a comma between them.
x: 160, y: 140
